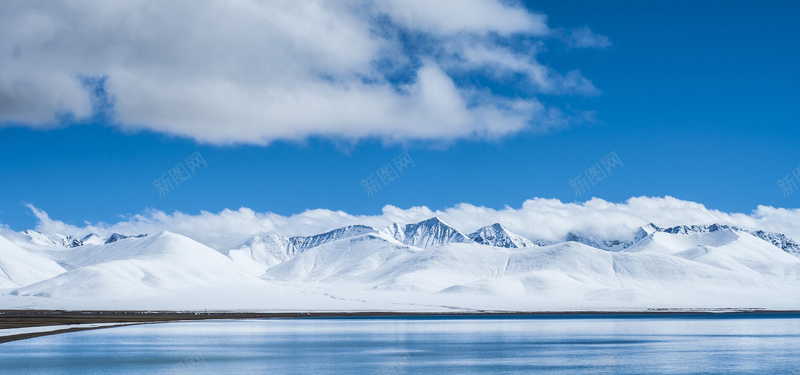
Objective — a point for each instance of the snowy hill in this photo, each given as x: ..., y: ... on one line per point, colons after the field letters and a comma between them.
x: 142, y: 267
x: 499, y: 236
x: 724, y: 248
x: 19, y: 267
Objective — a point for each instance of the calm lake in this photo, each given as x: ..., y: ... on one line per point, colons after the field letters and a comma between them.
x: 709, y: 344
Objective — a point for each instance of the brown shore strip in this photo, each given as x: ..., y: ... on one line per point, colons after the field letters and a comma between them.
x: 41, y: 318
x: 25, y: 336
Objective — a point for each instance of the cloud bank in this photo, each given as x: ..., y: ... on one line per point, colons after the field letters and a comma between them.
x: 254, y: 71
x: 538, y: 218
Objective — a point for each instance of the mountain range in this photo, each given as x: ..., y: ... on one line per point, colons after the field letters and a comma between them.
x: 424, y: 265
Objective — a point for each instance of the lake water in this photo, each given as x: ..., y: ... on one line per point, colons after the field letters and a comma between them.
x: 752, y: 344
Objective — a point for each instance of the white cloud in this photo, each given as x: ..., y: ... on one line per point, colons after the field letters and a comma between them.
x: 255, y: 71
x: 583, y: 37
x: 504, y: 63
x: 448, y: 17
x: 537, y: 218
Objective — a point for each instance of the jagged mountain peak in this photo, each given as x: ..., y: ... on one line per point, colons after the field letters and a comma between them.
x: 780, y: 240
x: 785, y: 243
x: 356, y: 229
x: 91, y: 239
x: 645, y: 231
x: 651, y: 228
x: 69, y: 241
x: 282, y: 247
x: 777, y: 239
x: 302, y: 243
x: 118, y: 236
x: 430, y: 222
x: 51, y: 240
x: 434, y: 231
x: 689, y: 229
x: 499, y: 236
x: 600, y: 243
x: 426, y: 233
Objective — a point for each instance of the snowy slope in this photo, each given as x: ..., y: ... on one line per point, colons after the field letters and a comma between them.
x: 340, y: 260
x: 779, y: 240
x: 19, y: 267
x: 262, y: 252
x: 266, y: 250
x: 158, y: 265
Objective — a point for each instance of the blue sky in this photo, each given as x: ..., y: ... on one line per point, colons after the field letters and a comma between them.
x: 699, y: 102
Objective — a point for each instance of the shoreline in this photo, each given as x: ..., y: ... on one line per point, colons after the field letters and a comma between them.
x: 37, y: 318
x: 82, y: 319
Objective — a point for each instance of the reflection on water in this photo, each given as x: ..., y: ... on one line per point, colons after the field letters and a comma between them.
x: 518, y: 345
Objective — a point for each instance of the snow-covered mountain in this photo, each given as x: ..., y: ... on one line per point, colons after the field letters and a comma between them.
x: 342, y: 259
x: 266, y: 250
x: 426, y: 233
x: 645, y: 231
x: 69, y: 241
x: 428, y: 263
x: 305, y: 243
x: 780, y: 240
x: 51, y: 240
x: 616, y: 244
x: 499, y: 236
x: 118, y: 236
x: 566, y: 272
x: 724, y: 248
x: 92, y: 239
x: 600, y: 243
